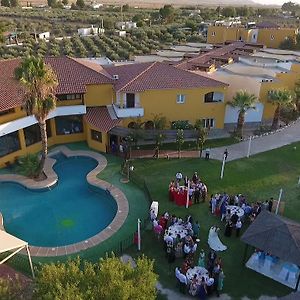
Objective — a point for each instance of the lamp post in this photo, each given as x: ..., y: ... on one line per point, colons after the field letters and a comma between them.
x: 278, y: 202
x: 139, y: 234
x: 249, y: 147
x: 187, y: 196
x: 223, y: 166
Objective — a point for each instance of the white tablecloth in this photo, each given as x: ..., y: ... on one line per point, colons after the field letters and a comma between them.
x: 200, y: 271
x: 237, y: 209
x: 177, y: 229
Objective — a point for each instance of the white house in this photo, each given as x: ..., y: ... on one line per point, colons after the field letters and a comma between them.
x: 126, y: 25
x: 121, y: 33
x: 90, y: 31
x: 43, y: 35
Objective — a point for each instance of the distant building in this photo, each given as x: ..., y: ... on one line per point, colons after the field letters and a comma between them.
x: 90, y: 31
x: 42, y: 35
x: 267, y: 33
x: 96, y: 5
x: 121, y: 33
x: 126, y: 25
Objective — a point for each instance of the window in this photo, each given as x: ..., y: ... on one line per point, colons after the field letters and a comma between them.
x: 180, y: 99
x: 6, y: 112
x: 69, y: 97
x: 272, y: 37
x: 96, y: 135
x: 33, y: 134
x: 9, y: 143
x: 213, y: 97
x: 213, y: 33
x: 69, y: 124
x: 208, y: 123
x: 130, y: 100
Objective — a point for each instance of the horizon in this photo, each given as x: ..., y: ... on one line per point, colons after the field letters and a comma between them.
x: 274, y: 2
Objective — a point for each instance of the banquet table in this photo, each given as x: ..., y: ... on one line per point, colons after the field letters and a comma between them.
x: 179, y: 196
x: 199, y: 271
x: 177, y: 229
x: 237, y: 209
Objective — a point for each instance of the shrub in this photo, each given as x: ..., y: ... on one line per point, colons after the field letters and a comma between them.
x: 28, y: 165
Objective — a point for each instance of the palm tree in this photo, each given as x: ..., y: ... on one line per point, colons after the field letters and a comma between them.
x: 201, y: 134
x: 297, y: 95
x: 40, y: 82
x: 243, y: 101
x: 282, y: 99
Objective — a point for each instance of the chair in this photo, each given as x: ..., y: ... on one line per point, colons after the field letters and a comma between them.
x: 283, y: 273
x: 267, y: 264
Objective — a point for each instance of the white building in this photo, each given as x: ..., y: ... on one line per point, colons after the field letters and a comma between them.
x: 43, y: 35
x: 96, y: 5
x: 121, y: 33
x: 126, y: 25
x: 90, y: 31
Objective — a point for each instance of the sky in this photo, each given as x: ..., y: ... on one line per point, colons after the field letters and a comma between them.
x: 276, y: 2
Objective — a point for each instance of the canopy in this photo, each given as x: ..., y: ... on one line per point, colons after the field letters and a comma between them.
x: 9, y: 242
x: 276, y: 235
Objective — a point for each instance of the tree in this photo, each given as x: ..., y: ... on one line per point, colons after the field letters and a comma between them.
x: 65, y: 2
x: 288, y: 44
x: 179, y: 141
x: 243, y: 101
x: 51, y: 3
x: 40, y: 82
x: 200, y: 134
x: 297, y: 95
x: 125, y: 8
x: 5, y: 3
x: 167, y: 13
x: 28, y: 165
x: 282, y: 99
x: 80, y: 3
x: 229, y: 11
x: 108, y: 279
x: 14, y: 3
x: 159, y: 122
x: 159, y: 139
x: 11, y: 289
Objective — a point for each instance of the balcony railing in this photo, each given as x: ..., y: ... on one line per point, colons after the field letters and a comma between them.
x: 124, y: 112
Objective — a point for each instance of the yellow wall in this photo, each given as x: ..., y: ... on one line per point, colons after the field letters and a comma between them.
x: 163, y: 102
x: 13, y: 116
x: 95, y: 144
x: 53, y: 140
x: 280, y: 34
x: 223, y: 34
x: 99, y: 95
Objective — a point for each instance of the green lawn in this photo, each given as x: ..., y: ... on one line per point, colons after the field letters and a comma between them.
x: 259, y: 177
x: 191, y: 145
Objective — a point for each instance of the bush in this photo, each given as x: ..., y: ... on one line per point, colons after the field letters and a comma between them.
x: 28, y: 165
x: 181, y: 124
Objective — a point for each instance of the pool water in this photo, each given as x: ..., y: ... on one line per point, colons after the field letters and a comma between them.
x: 70, y: 212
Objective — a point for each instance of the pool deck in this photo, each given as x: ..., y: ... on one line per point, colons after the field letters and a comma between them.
x: 119, y: 196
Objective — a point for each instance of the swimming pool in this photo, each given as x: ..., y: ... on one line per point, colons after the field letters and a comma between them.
x: 70, y: 212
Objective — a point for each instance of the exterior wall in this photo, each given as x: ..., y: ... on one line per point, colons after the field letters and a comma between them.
x: 163, y: 102
x: 263, y: 36
x: 53, y: 140
x: 95, y: 144
x: 99, y: 95
x: 280, y: 34
x: 13, y: 116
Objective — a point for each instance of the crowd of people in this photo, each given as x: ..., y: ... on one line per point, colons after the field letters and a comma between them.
x: 194, y: 187
x: 235, y: 210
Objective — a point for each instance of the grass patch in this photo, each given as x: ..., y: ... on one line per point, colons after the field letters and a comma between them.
x: 259, y: 178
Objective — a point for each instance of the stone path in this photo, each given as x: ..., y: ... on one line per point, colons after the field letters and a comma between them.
x: 279, y: 139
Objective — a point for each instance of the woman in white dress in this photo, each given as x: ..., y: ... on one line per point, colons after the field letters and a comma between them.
x: 214, y: 241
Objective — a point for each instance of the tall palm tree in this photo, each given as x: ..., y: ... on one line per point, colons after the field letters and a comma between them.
x: 297, y: 95
x: 40, y: 82
x: 244, y: 102
x: 282, y: 99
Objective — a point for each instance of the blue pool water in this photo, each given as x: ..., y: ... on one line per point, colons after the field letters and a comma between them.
x: 70, y: 212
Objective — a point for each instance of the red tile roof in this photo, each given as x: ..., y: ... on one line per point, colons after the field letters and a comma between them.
x: 72, y: 76
x: 100, y: 118
x: 266, y: 24
x: 156, y: 76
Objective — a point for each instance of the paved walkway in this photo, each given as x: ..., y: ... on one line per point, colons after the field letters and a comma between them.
x: 279, y: 139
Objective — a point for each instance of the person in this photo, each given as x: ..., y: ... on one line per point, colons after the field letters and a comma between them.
x: 113, y: 147
x: 238, y: 227
x: 207, y: 153
x: 195, y: 177
x: 196, y: 196
x: 121, y: 148
x: 168, y: 239
x: 202, y: 289
x: 228, y: 229
x: 183, y: 282
x: 213, y: 205
x: 203, y: 192
x: 155, y: 155
x: 234, y: 218
x: 225, y: 154
x: 209, y: 286
x: 196, y: 229
x: 220, y: 282
x: 201, y: 260
x: 270, y: 204
x: 178, y: 176
x: 193, y: 286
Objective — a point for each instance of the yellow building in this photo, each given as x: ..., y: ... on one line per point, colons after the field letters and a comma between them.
x: 266, y: 33
x: 92, y: 100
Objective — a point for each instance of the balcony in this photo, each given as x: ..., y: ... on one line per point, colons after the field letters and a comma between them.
x: 128, y: 112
